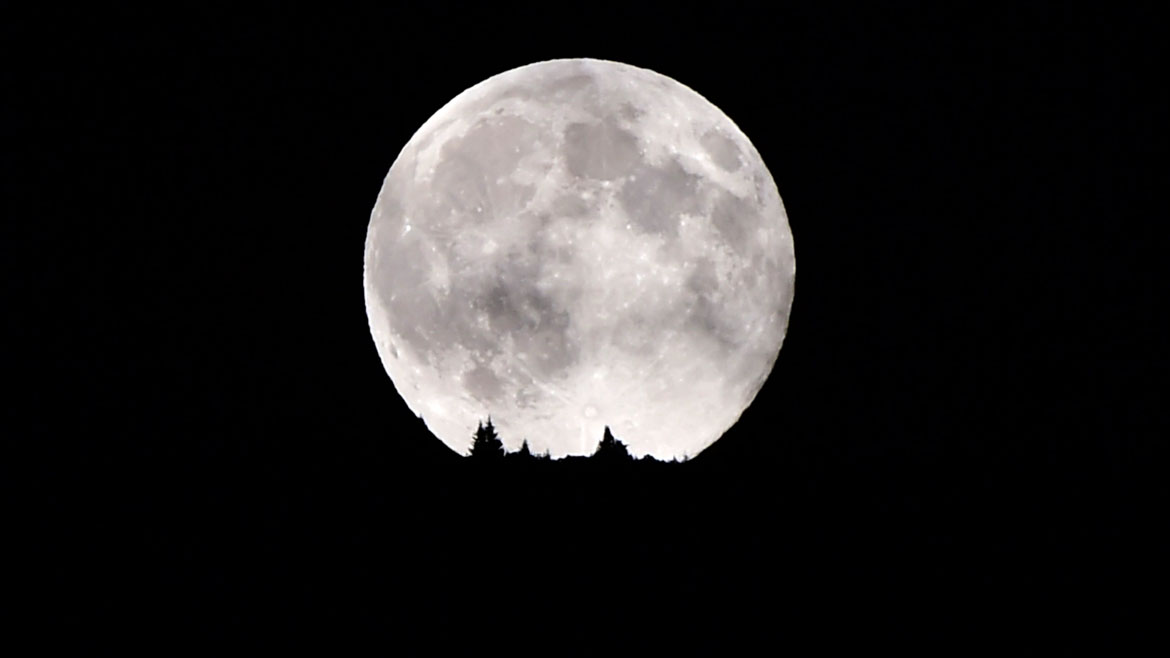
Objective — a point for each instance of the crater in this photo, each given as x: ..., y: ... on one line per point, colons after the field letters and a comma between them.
x: 722, y: 149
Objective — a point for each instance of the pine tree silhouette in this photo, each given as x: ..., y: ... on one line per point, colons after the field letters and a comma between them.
x: 611, y: 450
x: 487, y: 445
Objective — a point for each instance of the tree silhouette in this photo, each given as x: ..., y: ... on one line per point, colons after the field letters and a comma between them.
x: 524, y: 451
x: 487, y: 445
x: 611, y: 450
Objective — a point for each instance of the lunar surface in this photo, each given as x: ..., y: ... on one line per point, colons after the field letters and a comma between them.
x: 577, y: 244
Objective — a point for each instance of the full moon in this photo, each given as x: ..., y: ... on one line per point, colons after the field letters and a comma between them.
x: 573, y: 245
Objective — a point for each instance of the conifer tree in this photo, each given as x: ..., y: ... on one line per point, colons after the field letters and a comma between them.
x: 611, y: 449
x: 487, y: 445
x: 524, y: 451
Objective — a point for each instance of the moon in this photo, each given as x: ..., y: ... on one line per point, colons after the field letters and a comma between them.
x: 578, y: 244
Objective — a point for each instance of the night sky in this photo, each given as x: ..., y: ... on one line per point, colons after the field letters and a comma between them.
x: 951, y: 450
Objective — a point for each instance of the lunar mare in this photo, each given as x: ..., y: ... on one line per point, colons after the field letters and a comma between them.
x: 577, y: 244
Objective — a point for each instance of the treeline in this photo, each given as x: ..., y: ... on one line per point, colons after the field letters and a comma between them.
x: 487, y: 447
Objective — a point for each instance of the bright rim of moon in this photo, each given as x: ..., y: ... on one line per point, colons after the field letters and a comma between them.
x: 577, y: 244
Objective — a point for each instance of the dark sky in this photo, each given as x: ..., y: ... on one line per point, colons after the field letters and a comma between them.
x: 950, y: 448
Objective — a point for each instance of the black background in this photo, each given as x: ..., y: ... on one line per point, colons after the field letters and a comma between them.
x: 949, y: 452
